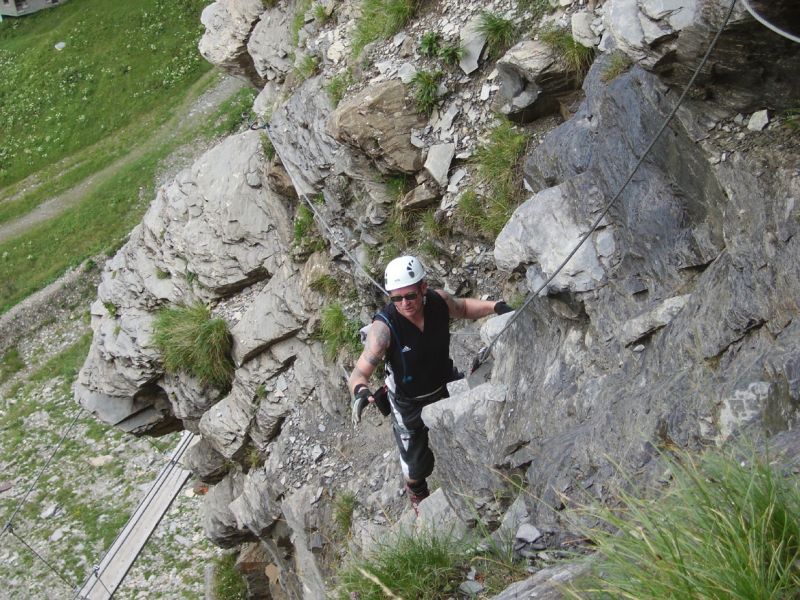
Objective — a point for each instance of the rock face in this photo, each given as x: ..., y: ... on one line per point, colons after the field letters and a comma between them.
x: 378, y: 121
x: 676, y: 322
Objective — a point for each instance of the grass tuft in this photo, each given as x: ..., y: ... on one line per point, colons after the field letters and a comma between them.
x: 339, y: 333
x: 381, y: 19
x: 429, y: 44
x: 575, y: 56
x: 191, y: 341
x: 338, y: 85
x: 451, y: 54
x: 617, y: 65
x: 228, y: 582
x: 10, y: 364
x: 496, y: 164
x: 343, y: 507
x: 420, y: 565
x: 727, y: 528
x: 426, y: 90
x: 537, y: 8
x: 500, y: 33
x: 308, y: 67
x: 326, y: 284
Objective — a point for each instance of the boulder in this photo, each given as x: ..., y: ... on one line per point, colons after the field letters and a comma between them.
x: 256, y: 508
x: 472, y: 43
x: 438, y: 162
x: 582, y: 32
x: 270, y: 44
x: 219, y: 523
x: 532, y: 79
x: 228, y: 25
x: 205, y: 463
x: 378, y: 121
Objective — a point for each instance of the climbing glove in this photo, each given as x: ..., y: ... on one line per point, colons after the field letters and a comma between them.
x: 502, y: 308
x: 360, y: 402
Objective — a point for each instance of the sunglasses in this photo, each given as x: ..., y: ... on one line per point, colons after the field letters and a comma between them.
x: 409, y: 296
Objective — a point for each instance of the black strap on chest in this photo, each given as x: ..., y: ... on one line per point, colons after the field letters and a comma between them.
x: 406, y: 378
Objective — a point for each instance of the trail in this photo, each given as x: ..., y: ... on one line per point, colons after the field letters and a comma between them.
x: 192, y: 110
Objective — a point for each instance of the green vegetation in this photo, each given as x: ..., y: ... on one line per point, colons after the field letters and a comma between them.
x: 122, y: 61
x: 575, y: 56
x: 10, y: 364
x: 267, y: 147
x: 326, y: 284
x: 193, y: 342
x: 496, y: 165
x: 451, y: 54
x: 306, y: 238
x: 343, y: 507
x: 66, y: 364
x: 231, y: 114
x: 617, y: 65
x: 381, y: 19
x: 726, y: 528
x: 426, y: 90
x: 338, y: 85
x: 339, y: 333
x: 500, y: 33
x: 298, y: 20
x: 537, y: 8
x: 321, y: 14
x: 308, y: 66
x: 228, y: 582
x: 429, y: 44
x: 792, y: 118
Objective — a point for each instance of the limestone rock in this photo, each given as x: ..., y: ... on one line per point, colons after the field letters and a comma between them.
x: 228, y: 24
x: 270, y: 44
x: 581, y: 23
x: 542, y: 231
x: 378, y: 121
x: 256, y: 509
x: 532, y: 79
x: 546, y: 584
x: 219, y: 523
x: 658, y: 317
x: 438, y: 162
x: 421, y: 196
x: 204, y: 462
x: 472, y: 42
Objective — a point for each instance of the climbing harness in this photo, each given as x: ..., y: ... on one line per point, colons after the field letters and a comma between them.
x: 483, y: 353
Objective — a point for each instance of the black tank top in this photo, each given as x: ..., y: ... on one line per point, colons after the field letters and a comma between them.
x: 425, y: 363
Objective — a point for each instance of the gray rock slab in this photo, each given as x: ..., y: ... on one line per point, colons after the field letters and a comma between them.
x: 472, y: 42
x: 654, y: 319
x: 758, y: 120
x: 546, y: 584
x: 438, y: 162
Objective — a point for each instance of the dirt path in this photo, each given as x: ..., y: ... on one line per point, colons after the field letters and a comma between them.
x: 191, y: 112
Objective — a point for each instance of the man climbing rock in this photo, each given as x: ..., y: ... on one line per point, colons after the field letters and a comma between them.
x: 412, y: 334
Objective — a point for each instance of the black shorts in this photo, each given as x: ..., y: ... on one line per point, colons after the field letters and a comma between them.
x: 411, y: 435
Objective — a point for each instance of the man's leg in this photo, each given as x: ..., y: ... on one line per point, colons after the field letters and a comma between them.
x: 416, y: 458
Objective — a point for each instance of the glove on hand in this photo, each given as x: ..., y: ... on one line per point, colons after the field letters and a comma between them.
x: 360, y: 402
x: 502, y: 308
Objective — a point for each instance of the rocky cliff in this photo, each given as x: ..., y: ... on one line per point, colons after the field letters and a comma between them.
x: 674, y: 325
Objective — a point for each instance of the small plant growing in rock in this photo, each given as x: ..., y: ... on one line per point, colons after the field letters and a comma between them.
x: 617, y: 65
x: 191, y: 341
x: 228, y: 582
x: 326, y: 284
x: 308, y: 66
x: 161, y: 274
x: 267, y: 147
x: 321, y: 14
x: 536, y: 8
x: 451, y: 54
x: 339, y: 333
x: 381, y: 19
x: 338, y: 85
x: 10, y: 364
x: 500, y: 33
x: 426, y: 90
x: 343, y: 507
x: 111, y: 309
x: 298, y: 20
x: 575, y: 56
x: 269, y: 3
x: 429, y: 44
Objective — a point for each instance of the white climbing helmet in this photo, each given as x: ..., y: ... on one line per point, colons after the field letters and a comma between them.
x: 403, y: 271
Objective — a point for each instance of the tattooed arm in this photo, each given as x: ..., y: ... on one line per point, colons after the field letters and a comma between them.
x: 375, y: 347
x: 467, y: 308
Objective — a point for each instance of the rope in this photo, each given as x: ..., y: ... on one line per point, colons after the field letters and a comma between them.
x: 95, y: 572
x: 768, y: 25
x: 61, y: 576
x: 9, y: 524
x: 341, y: 247
x: 483, y: 354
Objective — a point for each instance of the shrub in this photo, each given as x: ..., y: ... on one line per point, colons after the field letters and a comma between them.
x: 429, y: 44
x: 381, y: 19
x: 343, y: 508
x: 339, y: 333
x: 727, y: 528
x: 421, y: 565
x: 338, y: 85
x: 575, y: 56
x: 228, y: 582
x: 426, y: 90
x: 617, y: 65
x: 191, y: 341
x: 500, y: 33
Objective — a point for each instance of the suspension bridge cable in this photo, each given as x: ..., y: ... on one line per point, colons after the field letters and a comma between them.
x: 484, y: 352
x: 144, y: 503
x: 40, y: 557
x: 10, y: 522
x: 758, y: 17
